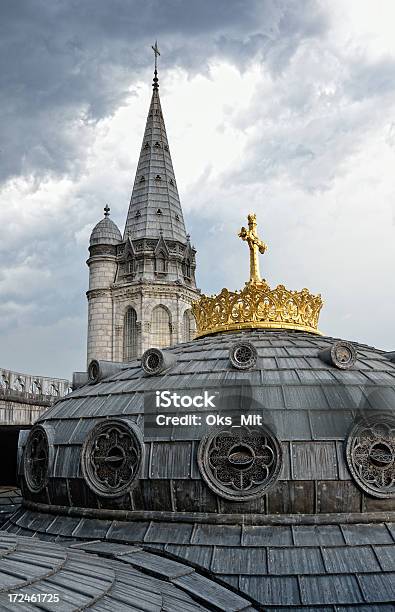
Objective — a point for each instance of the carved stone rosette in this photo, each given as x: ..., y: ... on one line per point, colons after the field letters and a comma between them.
x: 240, y: 464
x: 36, y: 459
x: 370, y: 453
x: 111, y: 457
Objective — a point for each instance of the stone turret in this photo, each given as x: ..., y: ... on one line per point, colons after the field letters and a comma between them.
x: 102, y: 271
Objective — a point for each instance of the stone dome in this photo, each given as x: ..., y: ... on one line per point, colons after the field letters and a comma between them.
x: 105, y: 232
x: 294, y: 509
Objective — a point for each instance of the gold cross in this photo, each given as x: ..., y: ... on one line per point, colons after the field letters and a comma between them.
x: 256, y: 246
x: 156, y: 51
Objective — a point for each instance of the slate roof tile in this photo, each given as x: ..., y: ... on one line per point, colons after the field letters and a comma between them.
x: 379, y: 397
x: 92, y: 528
x: 271, y: 590
x: 270, y: 397
x: 299, y: 397
x: 330, y: 424
x: 386, y: 556
x: 266, y: 535
x: 350, y: 377
x: 366, y: 534
x: 313, y: 461
x: 127, y: 532
x: 287, y: 561
x: 350, y: 559
x: 213, y: 593
x: 378, y: 587
x: 63, y: 525
x: 155, y: 565
x: 317, y: 535
x: 291, y: 363
x: 314, y: 377
x: 210, y: 534
x: 170, y: 460
x: 195, y: 555
x: 342, y: 397
x: 275, y: 377
x: 291, y: 424
x: 330, y: 590
x: 236, y: 560
x: 174, y: 533
x: 381, y: 377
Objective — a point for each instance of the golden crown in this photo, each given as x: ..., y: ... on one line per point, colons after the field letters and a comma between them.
x: 257, y: 305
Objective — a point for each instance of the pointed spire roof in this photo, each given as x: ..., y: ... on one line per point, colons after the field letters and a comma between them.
x: 155, y: 207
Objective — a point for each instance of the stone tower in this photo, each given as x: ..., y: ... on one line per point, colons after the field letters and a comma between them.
x: 142, y: 285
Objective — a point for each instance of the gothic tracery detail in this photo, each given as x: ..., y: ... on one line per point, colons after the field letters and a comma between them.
x: 240, y: 465
x: 371, y: 455
x: 36, y: 459
x: 111, y: 458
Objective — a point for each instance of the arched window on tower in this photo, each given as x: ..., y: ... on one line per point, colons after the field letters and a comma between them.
x: 130, y: 266
x: 160, y: 327
x: 130, y: 335
x: 160, y: 263
x: 187, y: 268
x: 188, y: 326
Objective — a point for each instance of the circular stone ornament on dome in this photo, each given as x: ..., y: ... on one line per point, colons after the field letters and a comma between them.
x: 241, y: 464
x: 341, y: 354
x: 155, y: 361
x: 36, y: 459
x: 370, y: 453
x: 111, y: 457
x: 243, y: 355
x: 152, y: 361
x: 94, y: 371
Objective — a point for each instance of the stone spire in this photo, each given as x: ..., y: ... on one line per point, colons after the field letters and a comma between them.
x: 155, y: 207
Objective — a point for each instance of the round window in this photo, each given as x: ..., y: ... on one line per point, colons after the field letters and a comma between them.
x: 111, y: 457
x: 344, y: 354
x: 36, y: 459
x: 370, y: 455
x: 240, y: 465
x: 94, y: 371
x: 243, y: 355
x: 152, y: 361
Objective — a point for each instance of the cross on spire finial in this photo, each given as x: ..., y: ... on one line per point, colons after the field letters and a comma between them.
x: 256, y: 246
x: 156, y: 53
x: 106, y: 211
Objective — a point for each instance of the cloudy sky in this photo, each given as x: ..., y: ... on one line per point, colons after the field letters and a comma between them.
x: 282, y: 107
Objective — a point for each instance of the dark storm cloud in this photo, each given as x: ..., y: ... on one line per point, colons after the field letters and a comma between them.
x: 66, y: 65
